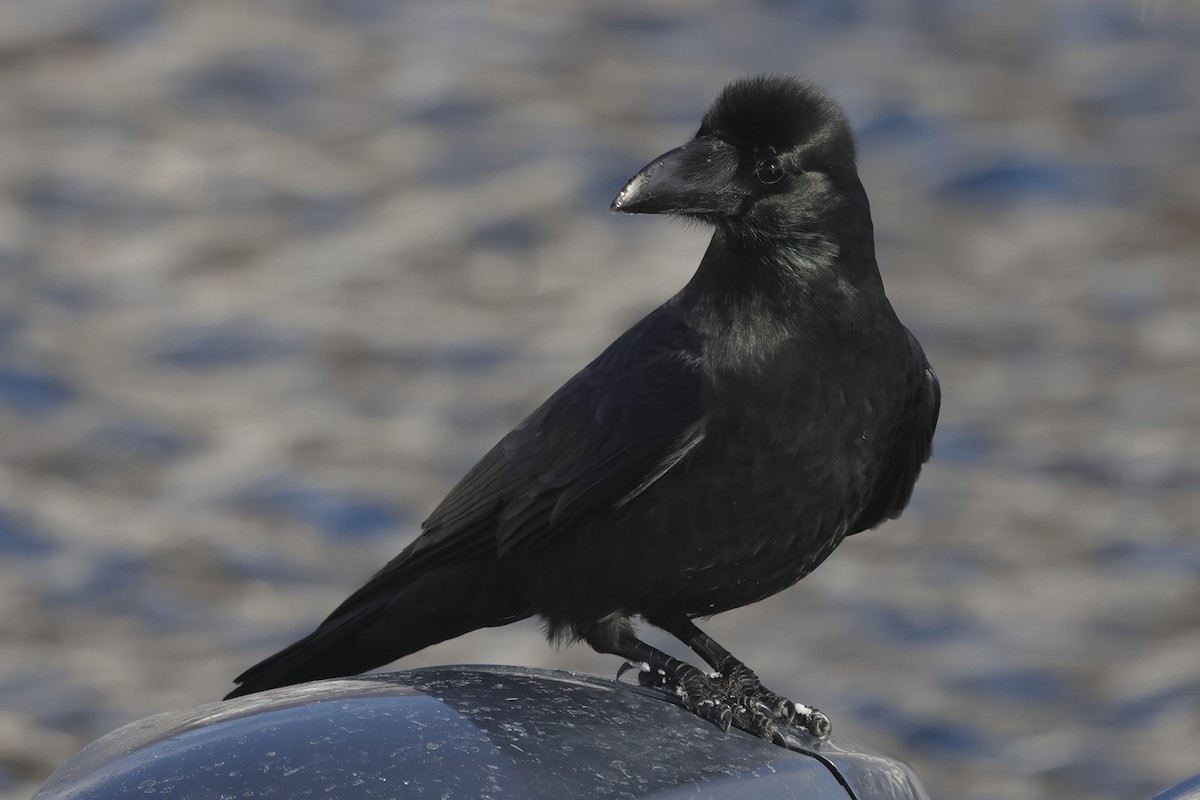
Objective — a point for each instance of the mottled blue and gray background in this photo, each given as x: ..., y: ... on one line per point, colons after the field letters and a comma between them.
x: 273, y: 274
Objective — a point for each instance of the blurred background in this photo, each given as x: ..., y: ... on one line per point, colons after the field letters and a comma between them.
x: 273, y: 275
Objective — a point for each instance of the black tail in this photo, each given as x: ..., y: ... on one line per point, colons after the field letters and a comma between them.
x: 388, y: 618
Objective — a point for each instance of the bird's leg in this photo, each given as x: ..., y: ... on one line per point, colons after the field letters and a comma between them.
x: 699, y: 695
x: 740, y: 682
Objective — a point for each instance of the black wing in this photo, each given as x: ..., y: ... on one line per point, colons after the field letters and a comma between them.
x: 603, y: 438
x: 909, y: 448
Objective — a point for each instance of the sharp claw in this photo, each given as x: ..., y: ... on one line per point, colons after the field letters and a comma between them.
x: 818, y: 724
x: 729, y: 703
x: 625, y: 667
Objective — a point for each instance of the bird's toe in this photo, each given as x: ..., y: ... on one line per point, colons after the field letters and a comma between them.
x: 815, y: 723
x: 783, y: 710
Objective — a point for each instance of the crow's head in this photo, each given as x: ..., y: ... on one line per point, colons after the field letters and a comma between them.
x: 774, y: 156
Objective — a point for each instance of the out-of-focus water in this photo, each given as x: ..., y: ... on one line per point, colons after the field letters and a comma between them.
x: 274, y: 275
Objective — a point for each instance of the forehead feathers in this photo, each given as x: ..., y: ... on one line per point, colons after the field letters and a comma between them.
x: 779, y: 112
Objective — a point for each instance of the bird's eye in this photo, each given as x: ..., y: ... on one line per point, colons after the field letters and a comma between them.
x: 770, y: 171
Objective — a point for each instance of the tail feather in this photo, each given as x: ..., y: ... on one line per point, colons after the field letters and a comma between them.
x: 385, y: 621
x: 331, y: 651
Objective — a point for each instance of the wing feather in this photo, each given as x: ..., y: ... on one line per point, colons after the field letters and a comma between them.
x: 910, y: 446
x: 604, y: 437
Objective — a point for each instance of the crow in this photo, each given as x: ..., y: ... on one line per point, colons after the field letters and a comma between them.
x: 713, y: 455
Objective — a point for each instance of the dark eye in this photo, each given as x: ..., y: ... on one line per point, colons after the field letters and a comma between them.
x: 770, y: 171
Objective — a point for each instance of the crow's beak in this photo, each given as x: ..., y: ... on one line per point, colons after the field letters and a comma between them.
x: 698, y: 178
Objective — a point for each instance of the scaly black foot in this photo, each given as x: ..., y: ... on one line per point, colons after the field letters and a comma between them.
x: 731, y: 701
x: 700, y: 695
x: 711, y: 700
x: 739, y: 683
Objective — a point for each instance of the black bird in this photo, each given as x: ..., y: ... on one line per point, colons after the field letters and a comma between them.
x: 713, y: 455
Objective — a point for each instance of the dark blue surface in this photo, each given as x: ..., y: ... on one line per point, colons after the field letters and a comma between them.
x: 819, y: 14
x: 32, y: 391
x: 1032, y: 687
x: 944, y: 740
x: 125, y: 21
x: 1022, y: 178
x: 452, y: 112
x: 1181, y: 701
x: 121, y: 442
x: 334, y: 513
x: 963, y: 444
x: 1180, y: 556
x: 65, y: 199
x: 128, y: 585
x: 323, y: 214
x: 465, y: 732
x: 911, y: 627
x: 251, y: 82
x: 225, y: 344
x: 362, y: 12
x: 513, y: 235
x: 1143, y: 93
x: 19, y: 538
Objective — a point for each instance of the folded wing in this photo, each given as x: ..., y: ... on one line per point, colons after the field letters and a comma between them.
x: 604, y: 437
